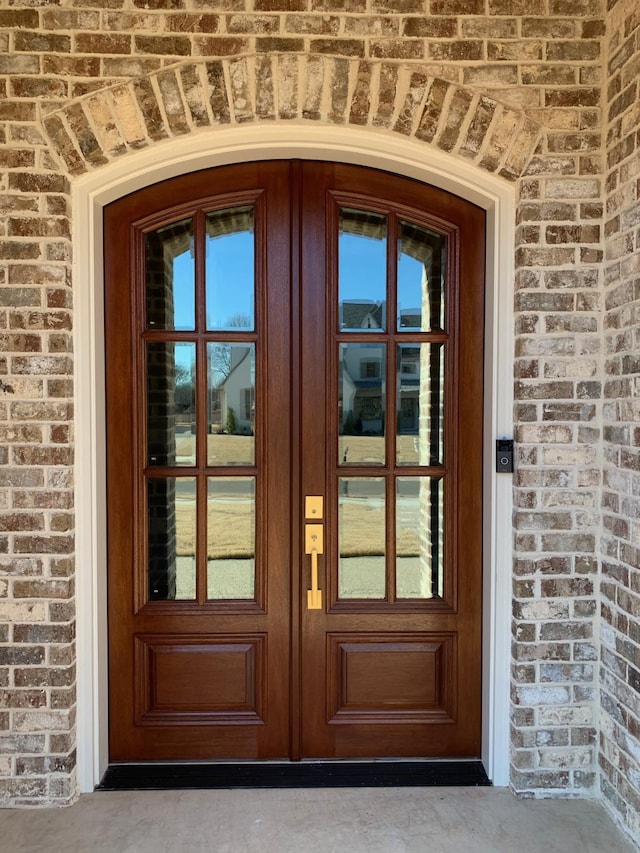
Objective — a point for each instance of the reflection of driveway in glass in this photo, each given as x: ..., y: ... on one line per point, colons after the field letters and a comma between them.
x: 226, y: 579
x: 364, y: 577
x: 222, y: 449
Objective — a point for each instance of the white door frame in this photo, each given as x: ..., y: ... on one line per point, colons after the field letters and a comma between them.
x: 276, y: 141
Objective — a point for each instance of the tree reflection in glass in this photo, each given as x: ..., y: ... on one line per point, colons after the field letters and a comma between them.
x: 231, y: 385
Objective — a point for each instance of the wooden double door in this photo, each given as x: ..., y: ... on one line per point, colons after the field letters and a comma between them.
x: 294, y: 439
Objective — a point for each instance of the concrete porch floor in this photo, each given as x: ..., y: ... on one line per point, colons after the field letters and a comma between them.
x: 380, y: 820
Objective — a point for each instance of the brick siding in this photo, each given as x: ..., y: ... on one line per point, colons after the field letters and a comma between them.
x: 620, y: 673
x: 514, y: 86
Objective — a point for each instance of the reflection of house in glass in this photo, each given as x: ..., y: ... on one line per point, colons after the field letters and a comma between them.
x: 232, y: 388
x: 362, y: 388
x: 411, y: 318
x: 359, y: 314
x: 363, y: 372
x: 408, y: 385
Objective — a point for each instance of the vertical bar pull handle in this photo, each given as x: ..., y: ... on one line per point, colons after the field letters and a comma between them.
x: 314, y: 545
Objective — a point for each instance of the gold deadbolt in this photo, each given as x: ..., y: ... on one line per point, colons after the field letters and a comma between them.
x: 313, y: 507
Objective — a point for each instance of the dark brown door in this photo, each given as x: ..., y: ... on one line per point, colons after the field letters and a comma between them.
x: 294, y: 430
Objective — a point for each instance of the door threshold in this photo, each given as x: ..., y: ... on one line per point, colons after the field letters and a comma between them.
x: 293, y: 774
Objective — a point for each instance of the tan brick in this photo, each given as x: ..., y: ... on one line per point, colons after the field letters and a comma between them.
x: 38, y: 87
x: 19, y: 18
x: 314, y: 24
x: 252, y: 24
x: 184, y: 23
x: 338, y: 47
x: 99, y: 43
x: 161, y: 45
x: 426, y: 26
x: 379, y: 27
x: 33, y: 42
x: 221, y: 46
x: 172, y: 102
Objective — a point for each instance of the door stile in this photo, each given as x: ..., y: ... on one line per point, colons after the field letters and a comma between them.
x: 295, y: 485
x: 315, y: 296
x: 139, y: 425
x: 450, y: 351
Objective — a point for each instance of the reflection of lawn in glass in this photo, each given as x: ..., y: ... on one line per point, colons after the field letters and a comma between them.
x: 230, y: 550
x: 370, y: 449
x: 363, y: 532
x: 239, y: 449
x: 222, y: 449
x: 232, y: 522
x: 230, y: 564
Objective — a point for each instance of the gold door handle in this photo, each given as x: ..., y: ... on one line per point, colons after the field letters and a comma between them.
x: 314, y: 545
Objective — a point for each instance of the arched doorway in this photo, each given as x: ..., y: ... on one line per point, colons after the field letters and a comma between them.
x: 294, y: 399
x: 91, y: 193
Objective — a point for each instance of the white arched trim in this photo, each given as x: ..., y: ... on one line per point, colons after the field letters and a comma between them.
x: 215, y: 147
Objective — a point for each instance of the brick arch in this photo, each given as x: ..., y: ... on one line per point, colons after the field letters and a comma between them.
x: 191, y: 96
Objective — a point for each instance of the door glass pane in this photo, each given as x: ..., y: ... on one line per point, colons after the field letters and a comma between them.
x: 231, y: 537
x: 231, y: 391
x: 422, y: 256
x: 171, y: 529
x: 361, y: 403
x: 419, y: 537
x: 170, y: 277
x: 171, y: 403
x: 361, y: 537
x: 230, y: 269
x: 362, y: 270
x: 420, y: 404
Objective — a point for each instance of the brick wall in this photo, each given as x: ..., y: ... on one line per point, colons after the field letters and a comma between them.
x: 620, y: 676
x: 557, y: 412
x: 483, y: 79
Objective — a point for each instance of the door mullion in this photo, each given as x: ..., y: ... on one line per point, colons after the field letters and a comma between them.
x: 202, y: 416
x: 201, y: 538
x: 200, y: 473
x: 391, y: 403
x: 296, y: 496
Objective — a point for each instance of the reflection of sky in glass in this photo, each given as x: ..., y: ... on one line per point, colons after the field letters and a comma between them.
x: 230, y: 285
x: 184, y: 292
x: 232, y: 294
x: 362, y: 268
x: 410, y: 279
x: 362, y: 276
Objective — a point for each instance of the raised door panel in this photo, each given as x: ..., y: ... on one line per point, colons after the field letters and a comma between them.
x: 209, y: 680
x: 395, y: 678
